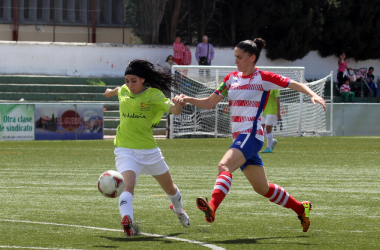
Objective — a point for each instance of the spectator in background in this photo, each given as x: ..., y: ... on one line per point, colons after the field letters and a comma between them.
x: 345, y: 91
x: 168, y: 64
x: 204, y: 54
x: 342, y: 63
x: 371, y: 82
x: 178, y: 50
x: 186, y: 57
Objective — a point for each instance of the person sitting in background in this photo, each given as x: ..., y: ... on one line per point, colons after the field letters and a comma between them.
x: 345, y: 91
x: 371, y: 82
x: 168, y: 64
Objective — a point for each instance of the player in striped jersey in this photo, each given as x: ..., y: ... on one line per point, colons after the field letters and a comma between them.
x: 248, y: 90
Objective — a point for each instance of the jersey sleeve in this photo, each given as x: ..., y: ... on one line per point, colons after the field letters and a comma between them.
x: 162, y: 102
x: 274, y: 81
x: 222, y: 89
x: 276, y: 93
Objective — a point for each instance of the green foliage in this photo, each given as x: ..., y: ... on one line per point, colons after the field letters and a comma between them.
x: 95, y: 81
x: 55, y: 182
x: 352, y: 27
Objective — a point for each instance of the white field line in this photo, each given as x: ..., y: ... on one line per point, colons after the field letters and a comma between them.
x: 42, y: 248
x: 116, y: 230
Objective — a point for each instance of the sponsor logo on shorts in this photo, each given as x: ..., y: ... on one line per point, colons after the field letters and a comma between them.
x: 238, y: 143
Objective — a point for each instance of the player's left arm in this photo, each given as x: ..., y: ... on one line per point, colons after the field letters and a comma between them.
x: 176, y: 109
x: 306, y: 90
x: 278, y: 108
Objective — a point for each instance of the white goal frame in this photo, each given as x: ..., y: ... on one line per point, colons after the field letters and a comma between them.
x: 277, y: 70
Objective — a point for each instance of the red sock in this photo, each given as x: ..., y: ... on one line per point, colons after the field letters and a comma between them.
x: 278, y: 195
x: 221, y: 188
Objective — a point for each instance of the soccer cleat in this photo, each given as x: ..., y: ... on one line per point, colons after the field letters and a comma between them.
x: 304, y: 217
x: 207, y: 209
x: 273, y: 143
x: 183, y: 217
x: 127, y: 225
x: 267, y: 150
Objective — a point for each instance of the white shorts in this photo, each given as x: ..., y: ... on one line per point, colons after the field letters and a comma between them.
x: 270, y: 120
x: 148, y: 161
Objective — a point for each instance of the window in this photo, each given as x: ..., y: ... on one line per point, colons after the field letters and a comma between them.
x: 65, y: 6
x: 39, y: 9
x: 26, y: 9
x: 77, y: 11
x: 116, y: 7
x: 68, y: 12
x: 1, y: 8
x: 51, y: 10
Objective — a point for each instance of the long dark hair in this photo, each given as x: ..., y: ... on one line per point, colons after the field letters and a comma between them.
x: 155, y: 78
x: 252, y: 47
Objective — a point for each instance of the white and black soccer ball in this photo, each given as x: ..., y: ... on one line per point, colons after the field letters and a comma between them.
x: 111, y: 184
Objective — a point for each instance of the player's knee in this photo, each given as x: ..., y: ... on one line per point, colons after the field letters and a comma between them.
x: 261, y: 189
x: 222, y: 167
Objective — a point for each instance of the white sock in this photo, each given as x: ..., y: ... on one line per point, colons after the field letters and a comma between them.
x: 176, y: 201
x: 125, y: 204
x: 265, y: 133
x: 269, y: 140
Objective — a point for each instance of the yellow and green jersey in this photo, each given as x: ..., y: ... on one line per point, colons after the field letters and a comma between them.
x: 271, y: 107
x: 139, y: 114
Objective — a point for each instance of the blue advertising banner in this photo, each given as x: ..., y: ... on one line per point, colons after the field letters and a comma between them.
x: 68, y: 121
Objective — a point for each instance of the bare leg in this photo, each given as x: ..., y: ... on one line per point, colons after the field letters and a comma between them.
x: 166, y: 183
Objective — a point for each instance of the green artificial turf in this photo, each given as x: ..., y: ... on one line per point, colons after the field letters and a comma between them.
x: 56, y: 182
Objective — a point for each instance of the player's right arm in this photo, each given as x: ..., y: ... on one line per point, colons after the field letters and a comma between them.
x: 111, y: 92
x: 205, y: 103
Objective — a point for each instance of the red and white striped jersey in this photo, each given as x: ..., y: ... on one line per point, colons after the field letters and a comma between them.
x: 178, y: 49
x: 247, y: 96
x: 186, y: 57
x: 345, y: 88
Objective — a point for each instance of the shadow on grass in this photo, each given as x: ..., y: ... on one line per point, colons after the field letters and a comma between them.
x: 142, y: 238
x: 257, y: 240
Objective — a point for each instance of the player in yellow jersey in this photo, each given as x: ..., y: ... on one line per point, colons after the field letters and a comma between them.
x: 270, y: 117
x: 142, y: 105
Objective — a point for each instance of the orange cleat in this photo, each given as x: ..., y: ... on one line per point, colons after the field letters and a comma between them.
x: 207, y: 209
x: 304, y: 217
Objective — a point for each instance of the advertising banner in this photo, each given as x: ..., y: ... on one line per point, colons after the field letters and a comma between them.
x: 17, y: 122
x: 68, y: 121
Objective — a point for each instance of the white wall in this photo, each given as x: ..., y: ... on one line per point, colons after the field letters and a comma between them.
x: 110, y: 60
x: 354, y: 119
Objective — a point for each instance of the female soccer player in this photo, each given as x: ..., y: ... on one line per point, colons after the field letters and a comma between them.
x: 142, y: 105
x: 248, y: 90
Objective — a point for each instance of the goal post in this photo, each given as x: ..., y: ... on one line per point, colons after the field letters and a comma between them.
x: 299, y: 116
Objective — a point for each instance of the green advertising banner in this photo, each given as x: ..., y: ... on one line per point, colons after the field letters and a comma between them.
x: 17, y: 122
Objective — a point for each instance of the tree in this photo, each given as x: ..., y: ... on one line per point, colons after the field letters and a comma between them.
x: 205, y: 14
x: 145, y: 17
x: 352, y: 27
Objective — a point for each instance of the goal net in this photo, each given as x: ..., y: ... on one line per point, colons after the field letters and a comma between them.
x: 299, y: 117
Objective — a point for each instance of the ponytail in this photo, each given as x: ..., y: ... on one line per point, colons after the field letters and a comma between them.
x: 252, y: 47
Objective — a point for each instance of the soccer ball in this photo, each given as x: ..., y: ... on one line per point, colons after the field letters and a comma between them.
x: 111, y: 184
